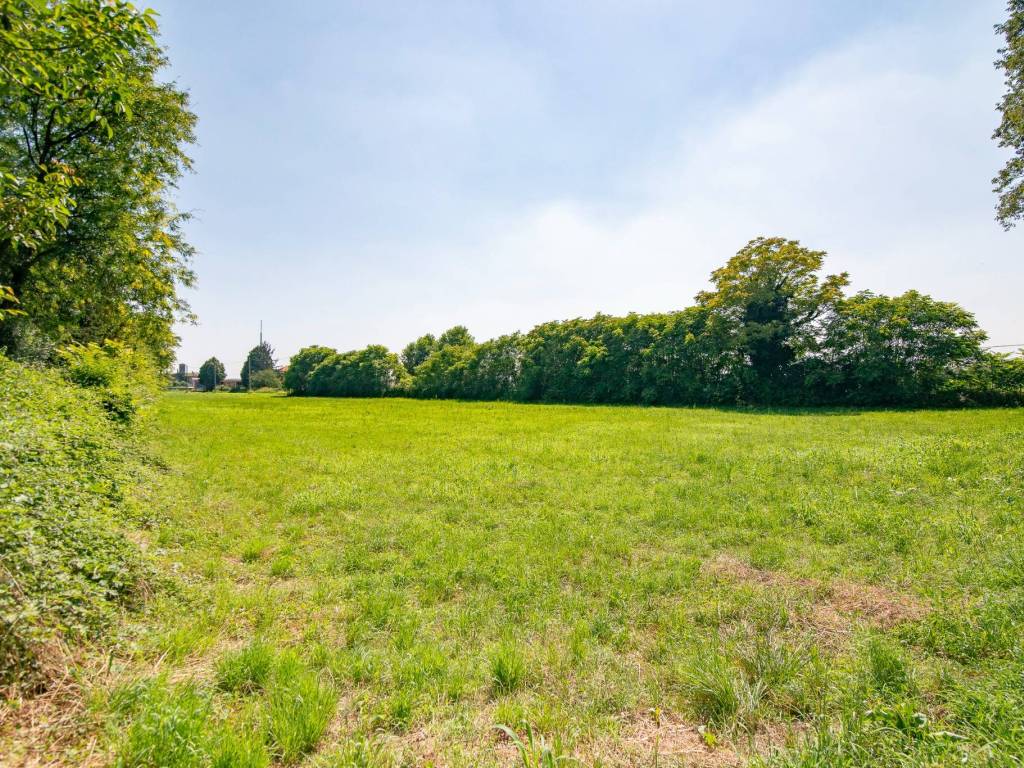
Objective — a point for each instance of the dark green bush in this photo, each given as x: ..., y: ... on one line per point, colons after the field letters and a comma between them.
x: 369, y: 372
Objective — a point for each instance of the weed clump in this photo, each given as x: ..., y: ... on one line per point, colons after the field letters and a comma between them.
x: 508, y: 670
x: 299, y: 707
x: 247, y: 670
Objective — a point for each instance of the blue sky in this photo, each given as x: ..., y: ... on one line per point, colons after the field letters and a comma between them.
x: 368, y: 172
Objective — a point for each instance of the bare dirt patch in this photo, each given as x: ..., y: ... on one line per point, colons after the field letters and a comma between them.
x: 835, y: 604
x: 672, y: 739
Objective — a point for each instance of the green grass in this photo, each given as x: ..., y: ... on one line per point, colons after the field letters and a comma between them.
x: 843, y: 586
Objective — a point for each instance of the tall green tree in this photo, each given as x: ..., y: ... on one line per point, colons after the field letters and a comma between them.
x: 211, y: 374
x: 416, y: 352
x: 91, y: 147
x: 1009, y: 183
x: 260, y: 358
x: 766, y: 308
x: 456, y: 336
x: 894, y: 350
x: 301, y: 366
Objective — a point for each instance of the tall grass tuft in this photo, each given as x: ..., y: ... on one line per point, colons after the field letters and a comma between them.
x: 508, y: 669
x: 299, y: 708
x: 247, y: 670
x: 719, y: 695
x: 169, y: 729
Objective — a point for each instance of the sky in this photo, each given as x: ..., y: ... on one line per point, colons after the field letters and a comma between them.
x: 369, y: 172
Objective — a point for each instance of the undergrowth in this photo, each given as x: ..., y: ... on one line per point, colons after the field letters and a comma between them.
x: 66, y: 567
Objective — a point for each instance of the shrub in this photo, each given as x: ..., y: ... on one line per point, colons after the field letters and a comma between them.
x: 66, y: 569
x: 268, y: 378
x: 124, y: 379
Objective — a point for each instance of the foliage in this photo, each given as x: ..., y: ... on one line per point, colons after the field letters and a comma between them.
x: 369, y: 372
x: 991, y: 379
x: 260, y: 358
x: 7, y: 297
x: 766, y: 306
x: 416, y: 352
x: 1009, y: 183
x: 773, y: 331
x: 211, y: 374
x: 123, y: 378
x: 268, y: 378
x: 902, y: 350
x: 66, y: 568
x: 91, y: 146
x: 301, y: 365
x: 456, y: 336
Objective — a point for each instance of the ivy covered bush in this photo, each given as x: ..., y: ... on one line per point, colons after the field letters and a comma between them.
x: 66, y: 568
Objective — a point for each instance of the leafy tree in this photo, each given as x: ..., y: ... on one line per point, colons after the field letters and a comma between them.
x: 894, y: 350
x: 1009, y: 183
x: 260, y: 358
x: 494, y: 369
x: 267, y: 378
x: 300, y: 367
x: 91, y: 146
x: 766, y: 308
x: 416, y: 352
x: 211, y: 374
x: 456, y: 336
x: 445, y: 373
x: 773, y: 330
x: 370, y: 372
x: 994, y: 379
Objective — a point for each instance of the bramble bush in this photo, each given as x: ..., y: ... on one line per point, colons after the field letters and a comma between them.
x: 66, y: 568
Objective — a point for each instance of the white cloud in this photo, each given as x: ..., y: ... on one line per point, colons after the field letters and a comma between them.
x: 878, y: 152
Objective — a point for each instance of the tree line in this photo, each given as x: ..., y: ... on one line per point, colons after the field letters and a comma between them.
x: 773, y: 330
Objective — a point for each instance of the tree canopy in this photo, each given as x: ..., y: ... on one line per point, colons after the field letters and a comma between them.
x: 1009, y: 182
x: 211, y: 374
x: 301, y: 366
x: 774, y: 329
x: 260, y: 358
x: 91, y: 146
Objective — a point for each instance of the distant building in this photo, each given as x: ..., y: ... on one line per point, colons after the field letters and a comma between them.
x: 186, y: 379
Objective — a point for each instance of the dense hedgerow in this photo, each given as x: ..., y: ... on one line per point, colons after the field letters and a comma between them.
x: 66, y: 568
x: 772, y: 332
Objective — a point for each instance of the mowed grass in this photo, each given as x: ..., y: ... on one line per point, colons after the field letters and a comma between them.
x: 386, y: 582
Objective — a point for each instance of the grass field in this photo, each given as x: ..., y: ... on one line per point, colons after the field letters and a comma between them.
x: 378, y: 582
